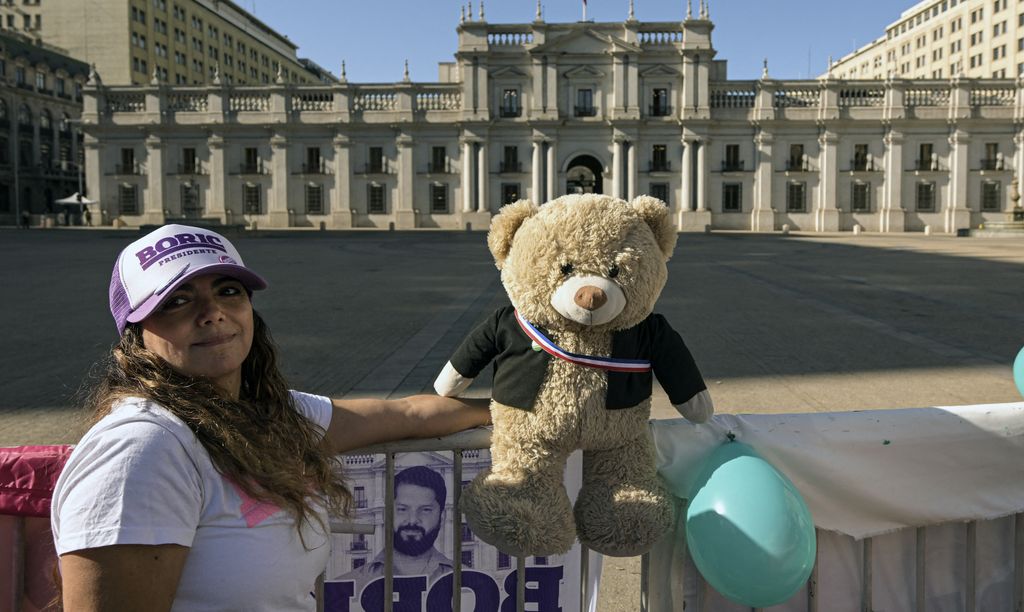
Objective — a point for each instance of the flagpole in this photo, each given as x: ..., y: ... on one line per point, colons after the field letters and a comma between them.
x: 584, y: 10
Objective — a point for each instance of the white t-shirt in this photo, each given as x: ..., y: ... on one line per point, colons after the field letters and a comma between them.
x: 140, y: 476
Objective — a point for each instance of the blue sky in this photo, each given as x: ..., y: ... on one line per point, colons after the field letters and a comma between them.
x: 375, y: 37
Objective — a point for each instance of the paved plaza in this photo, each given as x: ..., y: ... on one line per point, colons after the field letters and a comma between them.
x: 799, y: 323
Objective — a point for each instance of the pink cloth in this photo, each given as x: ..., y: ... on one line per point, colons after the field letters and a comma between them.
x: 27, y: 477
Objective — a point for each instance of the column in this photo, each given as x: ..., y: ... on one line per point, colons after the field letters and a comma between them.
x: 537, y: 174
x: 277, y: 207
x: 93, y: 178
x: 155, y: 202
x: 826, y: 218
x: 762, y: 219
x: 552, y: 191
x: 405, y: 214
x: 618, y: 86
x: 551, y: 86
x: 617, y: 168
x: 483, y: 173
x: 1019, y: 173
x: 702, y: 179
x: 892, y: 213
x: 956, y: 214
x: 341, y: 196
x: 216, y: 200
x: 686, y: 177
x: 631, y: 173
x: 467, y: 175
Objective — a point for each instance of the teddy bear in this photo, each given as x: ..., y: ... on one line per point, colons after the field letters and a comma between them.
x: 573, y: 361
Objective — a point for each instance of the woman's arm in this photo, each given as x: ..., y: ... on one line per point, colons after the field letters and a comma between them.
x: 122, y: 578
x: 356, y: 423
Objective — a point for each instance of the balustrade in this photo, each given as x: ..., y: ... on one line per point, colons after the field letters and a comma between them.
x: 375, y: 101
x: 862, y: 96
x: 732, y: 98
x: 993, y: 96
x: 927, y: 97
x: 509, y: 38
x: 439, y: 99
x: 187, y: 102
x: 797, y: 98
x: 320, y: 100
x: 660, y: 38
x: 249, y: 101
x: 126, y: 102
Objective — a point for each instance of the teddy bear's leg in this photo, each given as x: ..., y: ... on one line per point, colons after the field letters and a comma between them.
x: 623, y: 508
x: 520, y: 505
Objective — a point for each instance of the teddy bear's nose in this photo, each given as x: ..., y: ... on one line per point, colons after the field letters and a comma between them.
x: 590, y: 297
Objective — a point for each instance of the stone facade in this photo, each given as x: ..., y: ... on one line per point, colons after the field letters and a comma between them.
x: 537, y: 110
x: 40, y: 141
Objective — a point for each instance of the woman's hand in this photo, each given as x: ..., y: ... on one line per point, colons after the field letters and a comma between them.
x: 122, y: 578
x: 357, y: 423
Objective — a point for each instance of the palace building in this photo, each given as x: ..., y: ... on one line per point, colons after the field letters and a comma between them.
x: 537, y: 110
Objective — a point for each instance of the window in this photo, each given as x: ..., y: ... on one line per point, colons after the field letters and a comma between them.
x: 467, y: 558
x: 314, y: 199
x: 190, y: 206
x: 376, y: 162
x: 585, y: 103
x: 796, y: 197
x: 732, y: 197
x: 509, y: 193
x: 358, y: 541
x: 438, y: 160
x: 860, y: 157
x: 467, y: 533
x: 504, y: 561
x: 314, y: 163
x: 510, y: 159
x: 45, y: 120
x: 926, y: 197
x: 924, y: 157
x: 127, y: 200
x: 127, y: 161
x: 660, y: 191
x: 510, y: 103
x: 251, y: 204
x: 375, y: 199
x: 991, y: 159
x: 659, y: 158
x: 439, y: 198
x: 860, y: 196
x: 359, y: 497
x: 540, y: 560
x: 251, y: 165
x: 732, y: 158
x: 19, y: 75
x: 990, y: 196
x: 659, y: 102
x: 796, y: 157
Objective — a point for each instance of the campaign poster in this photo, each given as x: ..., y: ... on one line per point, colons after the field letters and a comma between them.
x: 425, y: 525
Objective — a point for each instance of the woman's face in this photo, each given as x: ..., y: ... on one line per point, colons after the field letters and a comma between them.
x: 204, y: 329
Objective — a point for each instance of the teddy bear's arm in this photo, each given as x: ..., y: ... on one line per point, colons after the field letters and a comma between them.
x: 478, y: 349
x: 698, y: 408
x: 678, y: 372
x: 450, y: 383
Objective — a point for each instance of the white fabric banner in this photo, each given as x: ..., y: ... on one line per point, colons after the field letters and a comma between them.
x: 872, y: 472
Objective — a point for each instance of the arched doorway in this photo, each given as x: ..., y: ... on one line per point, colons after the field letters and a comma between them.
x: 584, y: 175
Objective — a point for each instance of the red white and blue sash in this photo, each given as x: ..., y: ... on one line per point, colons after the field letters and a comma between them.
x: 612, y: 364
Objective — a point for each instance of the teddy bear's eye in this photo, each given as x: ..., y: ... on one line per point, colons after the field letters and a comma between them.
x: 567, y: 269
x: 613, y: 271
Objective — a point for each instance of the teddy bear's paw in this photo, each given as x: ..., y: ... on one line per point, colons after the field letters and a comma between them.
x: 624, y: 521
x: 519, y: 520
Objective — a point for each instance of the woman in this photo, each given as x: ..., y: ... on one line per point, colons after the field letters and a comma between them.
x: 204, y: 483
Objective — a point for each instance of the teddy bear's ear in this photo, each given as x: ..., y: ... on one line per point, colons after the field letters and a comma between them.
x: 655, y: 213
x: 504, y: 227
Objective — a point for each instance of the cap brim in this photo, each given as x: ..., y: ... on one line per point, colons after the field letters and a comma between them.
x: 251, y: 280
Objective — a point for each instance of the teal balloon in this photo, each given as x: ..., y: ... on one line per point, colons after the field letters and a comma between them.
x: 1018, y: 371
x: 748, y: 529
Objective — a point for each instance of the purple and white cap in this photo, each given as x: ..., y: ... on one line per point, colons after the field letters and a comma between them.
x: 151, y: 268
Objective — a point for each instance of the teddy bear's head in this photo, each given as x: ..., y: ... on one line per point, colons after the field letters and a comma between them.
x: 583, y: 261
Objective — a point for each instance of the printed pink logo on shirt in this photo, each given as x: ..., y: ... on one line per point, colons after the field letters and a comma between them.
x: 254, y: 511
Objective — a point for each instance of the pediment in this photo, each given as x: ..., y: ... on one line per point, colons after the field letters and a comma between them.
x: 586, y: 41
x: 659, y: 70
x: 508, y: 72
x: 584, y: 72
